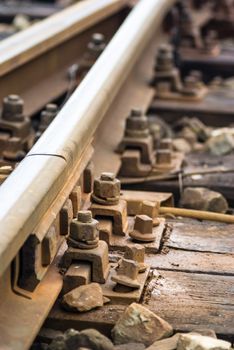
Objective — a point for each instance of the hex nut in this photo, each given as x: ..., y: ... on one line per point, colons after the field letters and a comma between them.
x: 84, y: 228
x: 137, y: 122
x: 164, y: 58
x: 107, y: 186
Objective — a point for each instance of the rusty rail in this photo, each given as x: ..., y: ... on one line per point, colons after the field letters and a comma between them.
x: 38, y: 180
x: 38, y: 52
x: 43, y: 36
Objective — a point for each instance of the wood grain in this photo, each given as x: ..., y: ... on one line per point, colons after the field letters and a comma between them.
x: 202, y: 237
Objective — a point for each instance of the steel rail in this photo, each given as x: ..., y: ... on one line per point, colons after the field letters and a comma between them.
x: 45, y: 35
x: 35, y: 62
x: 38, y: 180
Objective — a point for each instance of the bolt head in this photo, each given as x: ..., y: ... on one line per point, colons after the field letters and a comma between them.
x: 135, y: 252
x: 128, y: 268
x: 136, y: 112
x: 51, y: 108
x: 150, y: 209
x: 47, y: 115
x: 107, y: 186
x: 107, y: 177
x: 98, y: 38
x: 84, y: 216
x: 84, y: 231
x: 12, y: 108
x: 97, y: 44
x: 143, y: 224
x: 137, y: 122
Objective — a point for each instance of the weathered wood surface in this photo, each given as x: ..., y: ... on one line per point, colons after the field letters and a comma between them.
x: 189, y: 301
x: 202, y: 237
x: 197, y: 262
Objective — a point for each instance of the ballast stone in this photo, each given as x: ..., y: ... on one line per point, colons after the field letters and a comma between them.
x: 84, y: 298
x: 140, y: 325
x: 86, y: 339
x: 181, y: 145
x: 200, y: 342
x: 220, y: 144
x: 94, y: 340
x: 172, y: 342
x: 165, y: 344
x: 201, y: 198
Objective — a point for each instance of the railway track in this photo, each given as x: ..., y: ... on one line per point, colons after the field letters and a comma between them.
x: 16, y: 16
x: 48, y: 63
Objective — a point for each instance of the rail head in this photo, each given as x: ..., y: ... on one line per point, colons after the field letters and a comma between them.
x: 72, y: 130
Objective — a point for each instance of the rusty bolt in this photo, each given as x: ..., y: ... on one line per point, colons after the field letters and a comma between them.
x: 143, y: 229
x: 166, y: 144
x: 84, y: 228
x: 137, y: 124
x: 51, y: 108
x: 84, y: 216
x: 98, y: 38
x: 97, y: 43
x: 163, y: 157
x: 126, y: 274
x: 136, y: 112
x: 48, y: 115
x: 151, y: 209
x: 143, y: 224
x: 137, y: 254
x: 191, y: 85
x: 12, y: 109
x: 107, y: 187
x: 164, y: 58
